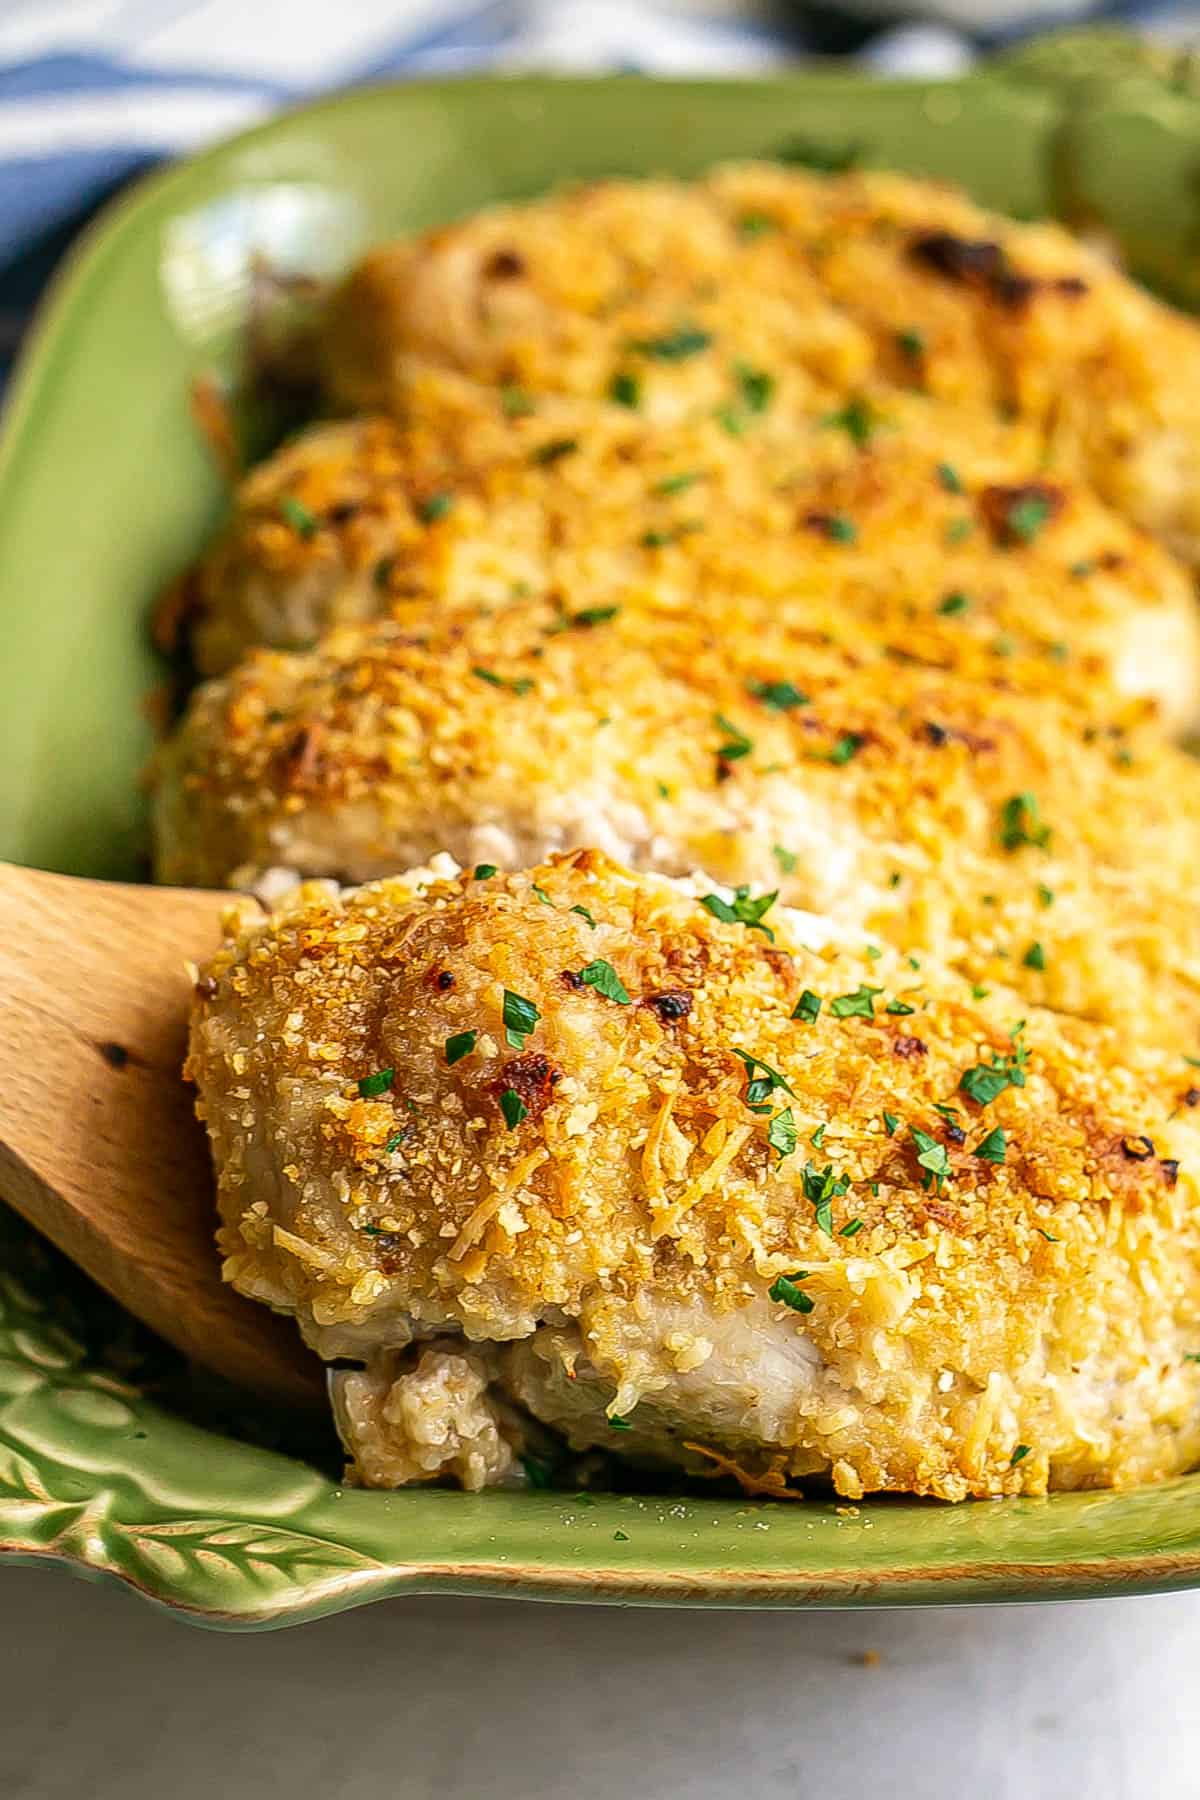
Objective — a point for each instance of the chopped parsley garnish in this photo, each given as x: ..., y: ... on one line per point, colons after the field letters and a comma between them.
x: 753, y: 224
x: 807, y: 1007
x: 516, y: 403
x: 673, y: 346
x: 858, y: 1005
x: 485, y: 871
x: 846, y: 748
x: 520, y: 1018
x: 949, y: 478
x: 460, y: 1045
x: 952, y: 605
x: 984, y: 1081
x: 911, y: 344
x: 818, y: 1136
x: 841, y: 529
x: 626, y: 390
x: 822, y: 1187
x: 520, y: 687
x: 1034, y: 957
x: 1026, y: 518
x: 513, y: 1108
x: 1019, y: 1455
x: 856, y: 419
x: 434, y: 508
x: 394, y: 1142
x: 298, y: 515
x: 755, y: 386
x: 553, y: 450
x: 993, y: 1147
x: 604, y: 978
x: 787, y: 859
x: 979, y: 993
x: 658, y: 538
x: 761, y: 1081
x: 899, y: 1008
x: 890, y: 1123
x: 736, y: 744
x: 856, y: 1225
x: 678, y: 484
x: 777, y: 696
x: 617, y: 1423
x: 371, y: 1086
x: 593, y: 615
x: 1049, y: 1236
x: 933, y: 1157
x: 585, y: 914
x: 949, y: 1113
x: 782, y: 1134
x: 742, y: 910
x: 1020, y: 823
x: 1045, y: 895
x: 958, y: 529
x: 541, y: 893
x: 786, y: 1291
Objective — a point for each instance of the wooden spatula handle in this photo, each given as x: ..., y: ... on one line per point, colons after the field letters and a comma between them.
x: 99, y: 1146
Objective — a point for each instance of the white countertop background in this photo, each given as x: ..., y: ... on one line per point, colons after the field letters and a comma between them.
x: 104, y: 1698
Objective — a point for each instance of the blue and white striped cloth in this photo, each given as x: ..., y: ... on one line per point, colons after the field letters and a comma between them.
x: 93, y: 91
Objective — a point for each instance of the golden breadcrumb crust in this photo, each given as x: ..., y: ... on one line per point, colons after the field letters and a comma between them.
x: 887, y: 511
x: 828, y: 283
x: 974, y: 1326
x: 1021, y: 838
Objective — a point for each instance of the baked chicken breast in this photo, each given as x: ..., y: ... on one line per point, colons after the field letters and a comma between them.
x: 561, y: 1148
x: 948, y: 542
x: 1022, y: 839
x: 674, y: 291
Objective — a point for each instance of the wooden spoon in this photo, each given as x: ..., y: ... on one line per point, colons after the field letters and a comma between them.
x: 99, y: 1145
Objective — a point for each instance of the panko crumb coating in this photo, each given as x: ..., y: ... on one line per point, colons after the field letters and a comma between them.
x: 690, y: 1190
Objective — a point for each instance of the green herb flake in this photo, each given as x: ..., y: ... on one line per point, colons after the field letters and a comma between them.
x: 933, y: 1157
x: 515, y: 402
x: 785, y: 1291
x: 541, y: 893
x: 761, y: 1081
x: 1027, y: 517
x: 520, y: 1018
x: 856, y: 1225
x: 460, y: 1045
x: 777, y: 696
x: 553, y: 450
x: 742, y: 910
x: 858, y: 1005
x: 856, y: 419
x: 298, y: 516
x: 846, y: 748
x: 1021, y: 823
x: 786, y: 859
x: 585, y: 914
x: 736, y: 744
x: 841, y: 529
x: 782, y: 1135
x: 371, y: 1086
x: 979, y: 993
x: 821, y: 1188
x: 625, y: 390
x: 952, y: 605
x: 485, y: 871
x: 958, y: 530
x: 1019, y: 1455
x: 755, y: 386
x: 1045, y: 895
x: 677, y: 484
x: 891, y: 1123
x: 617, y: 1423
x: 807, y: 1007
x: 911, y: 344
x: 994, y: 1147
x: 394, y: 1142
x: 604, y: 978
x: 673, y: 346
x: 1034, y: 957
x: 754, y: 224
x: 436, y: 507
x: 984, y: 1081
x: 899, y: 1008
x: 1049, y: 1236
x: 520, y: 687
x: 949, y: 479
x: 513, y: 1108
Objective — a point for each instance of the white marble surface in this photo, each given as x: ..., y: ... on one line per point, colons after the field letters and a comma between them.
x: 105, y: 1699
